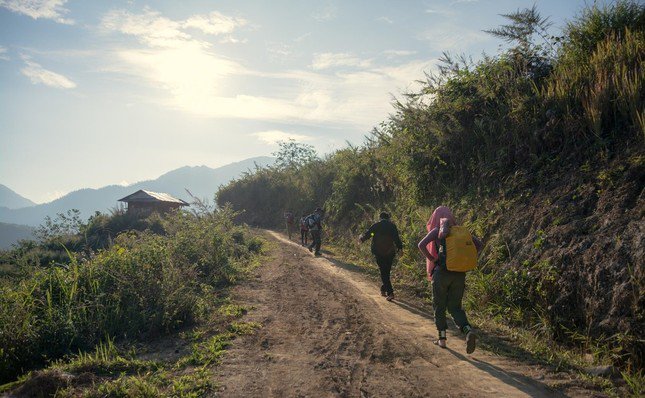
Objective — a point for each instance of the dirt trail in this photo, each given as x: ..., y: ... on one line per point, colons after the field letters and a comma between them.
x: 327, y: 332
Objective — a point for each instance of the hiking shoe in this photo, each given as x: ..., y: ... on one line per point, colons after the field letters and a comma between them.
x: 390, y: 297
x: 471, y: 342
x: 440, y: 342
x: 311, y: 249
x: 317, y: 254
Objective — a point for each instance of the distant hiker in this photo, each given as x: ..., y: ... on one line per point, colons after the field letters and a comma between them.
x: 385, y: 242
x: 304, y: 230
x: 290, y: 221
x: 450, y: 251
x: 314, y: 224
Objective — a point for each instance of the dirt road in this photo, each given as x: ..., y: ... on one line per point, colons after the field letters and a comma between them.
x: 327, y: 332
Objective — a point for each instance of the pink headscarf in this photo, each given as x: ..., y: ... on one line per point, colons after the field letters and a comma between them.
x: 434, y: 221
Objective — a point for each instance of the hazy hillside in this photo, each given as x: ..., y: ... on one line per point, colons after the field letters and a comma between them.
x: 202, y: 181
x: 12, y: 200
x: 10, y: 233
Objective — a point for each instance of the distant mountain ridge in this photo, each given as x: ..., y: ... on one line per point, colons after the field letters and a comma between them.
x: 12, y: 233
x: 13, y: 200
x: 201, y: 181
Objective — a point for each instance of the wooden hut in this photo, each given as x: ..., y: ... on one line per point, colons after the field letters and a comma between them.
x: 145, y: 202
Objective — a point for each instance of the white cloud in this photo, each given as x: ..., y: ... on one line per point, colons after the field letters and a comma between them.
x: 302, y: 38
x: 150, y: 27
x: 192, y: 77
x: 39, y: 75
x: 228, y: 39
x: 331, y: 60
x: 385, y: 19
x: 398, y: 53
x: 273, y: 136
x: 214, y: 23
x: 3, y: 54
x: 360, y: 98
x: 441, y: 10
x: 279, y: 50
x: 326, y: 12
x: 445, y: 36
x: 45, y: 9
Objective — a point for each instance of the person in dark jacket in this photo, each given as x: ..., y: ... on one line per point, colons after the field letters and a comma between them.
x: 315, y: 228
x: 385, y: 242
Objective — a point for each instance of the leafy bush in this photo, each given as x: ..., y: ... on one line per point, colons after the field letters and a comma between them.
x: 145, y: 284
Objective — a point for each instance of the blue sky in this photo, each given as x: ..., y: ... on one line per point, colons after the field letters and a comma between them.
x: 96, y: 92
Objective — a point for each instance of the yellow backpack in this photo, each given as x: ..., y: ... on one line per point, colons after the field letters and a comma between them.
x: 459, y: 251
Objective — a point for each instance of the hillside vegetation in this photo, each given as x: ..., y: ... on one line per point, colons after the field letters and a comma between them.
x: 539, y: 150
x: 116, y: 278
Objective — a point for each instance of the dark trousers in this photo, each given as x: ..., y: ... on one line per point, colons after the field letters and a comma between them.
x: 385, y: 266
x: 447, y: 293
x: 315, y: 240
x: 304, y: 236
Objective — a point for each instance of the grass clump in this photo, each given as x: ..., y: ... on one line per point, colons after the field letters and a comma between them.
x: 146, y: 284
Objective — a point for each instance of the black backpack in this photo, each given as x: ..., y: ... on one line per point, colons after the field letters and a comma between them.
x: 310, y: 221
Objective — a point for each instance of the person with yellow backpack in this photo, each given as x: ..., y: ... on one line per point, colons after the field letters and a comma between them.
x: 450, y: 251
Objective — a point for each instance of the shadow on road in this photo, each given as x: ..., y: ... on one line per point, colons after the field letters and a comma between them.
x: 516, y: 380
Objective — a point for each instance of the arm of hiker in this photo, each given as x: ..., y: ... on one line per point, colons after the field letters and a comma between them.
x: 478, y: 244
x: 367, y: 234
x: 423, y: 245
x: 397, y: 239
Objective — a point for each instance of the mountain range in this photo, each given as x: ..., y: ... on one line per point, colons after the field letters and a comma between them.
x: 201, y: 181
x: 12, y: 200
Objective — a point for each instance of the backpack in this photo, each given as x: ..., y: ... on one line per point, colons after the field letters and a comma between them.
x: 457, y: 252
x: 310, y: 221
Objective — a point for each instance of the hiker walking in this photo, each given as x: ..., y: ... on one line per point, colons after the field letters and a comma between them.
x: 314, y: 223
x: 290, y: 221
x: 304, y: 230
x: 450, y: 250
x: 385, y: 242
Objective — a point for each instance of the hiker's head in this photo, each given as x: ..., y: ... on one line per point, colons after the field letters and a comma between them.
x: 384, y: 215
x: 439, y: 213
x: 319, y: 210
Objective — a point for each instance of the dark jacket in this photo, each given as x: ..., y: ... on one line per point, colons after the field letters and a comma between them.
x: 385, y: 238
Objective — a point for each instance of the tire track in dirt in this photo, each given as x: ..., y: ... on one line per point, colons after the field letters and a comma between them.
x: 327, y: 332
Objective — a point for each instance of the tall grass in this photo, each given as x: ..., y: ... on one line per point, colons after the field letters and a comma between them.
x: 603, y: 97
x: 145, y: 284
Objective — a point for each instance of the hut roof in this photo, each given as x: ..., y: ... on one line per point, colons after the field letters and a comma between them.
x: 143, y: 196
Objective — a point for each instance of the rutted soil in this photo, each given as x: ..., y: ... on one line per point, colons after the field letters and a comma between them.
x: 327, y: 332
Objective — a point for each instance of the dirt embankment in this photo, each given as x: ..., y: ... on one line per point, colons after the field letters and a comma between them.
x: 588, y: 228
x: 327, y: 332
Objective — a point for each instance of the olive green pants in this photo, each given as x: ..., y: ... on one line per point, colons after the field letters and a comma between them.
x: 447, y: 293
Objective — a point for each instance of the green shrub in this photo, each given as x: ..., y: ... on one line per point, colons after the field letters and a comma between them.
x: 145, y: 284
